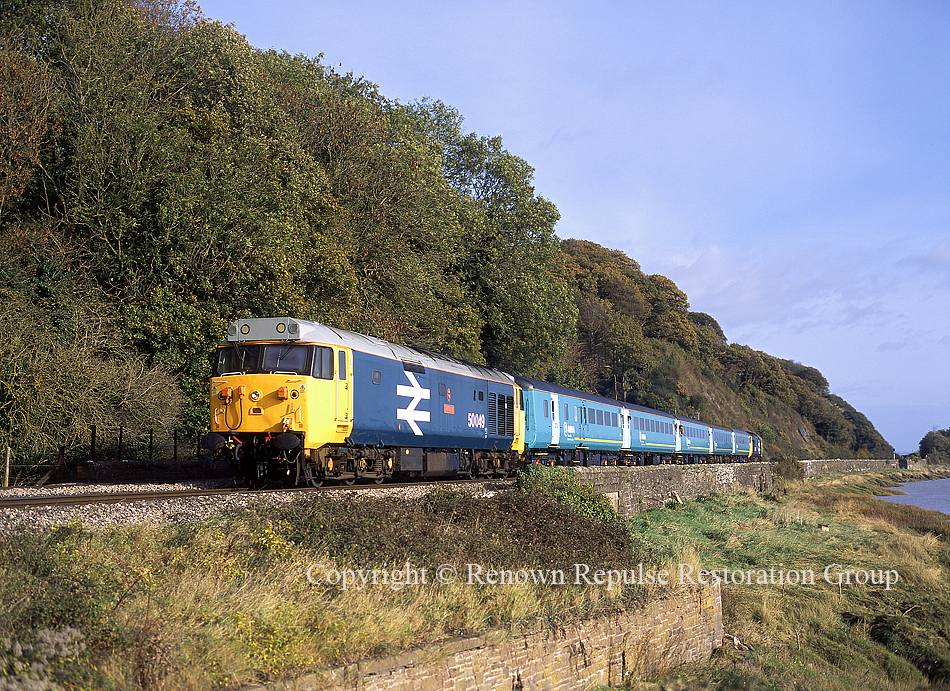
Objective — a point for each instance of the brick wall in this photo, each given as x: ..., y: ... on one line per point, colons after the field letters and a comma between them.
x: 635, y: 489
x: 684, y: 626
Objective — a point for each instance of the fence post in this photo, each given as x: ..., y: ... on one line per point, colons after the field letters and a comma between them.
x: 150, y: 443
x: 6, y: 470
x: 92, y: 445
x: 119, y: 452
x: 175, y: 452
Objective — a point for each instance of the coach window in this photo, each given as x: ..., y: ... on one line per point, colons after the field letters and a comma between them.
x: 545, y: 407
x: 567, y: 411
x: 575, y: 413
x: 342, y: 365
x: 323, y: 363
x: 600, y: 417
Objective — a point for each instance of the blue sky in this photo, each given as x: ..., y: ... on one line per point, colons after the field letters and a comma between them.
x: 786, y: 164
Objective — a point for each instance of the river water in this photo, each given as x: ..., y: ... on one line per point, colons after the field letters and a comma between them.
x: 927, y: 494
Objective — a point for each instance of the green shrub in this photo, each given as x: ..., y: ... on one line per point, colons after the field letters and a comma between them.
x: 790, y: 469
x: 561, y: 485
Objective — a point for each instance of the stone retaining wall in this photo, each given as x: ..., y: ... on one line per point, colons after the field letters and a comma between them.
x: 837, y: 465
x: 682, y: 627
x: 635, y: 489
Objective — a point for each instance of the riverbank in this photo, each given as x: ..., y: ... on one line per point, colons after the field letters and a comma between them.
x: 812, y: 602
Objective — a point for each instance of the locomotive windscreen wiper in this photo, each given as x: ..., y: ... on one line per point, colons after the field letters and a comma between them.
x: 240, y: 358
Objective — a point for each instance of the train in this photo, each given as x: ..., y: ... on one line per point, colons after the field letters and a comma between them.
x: 299, y: 402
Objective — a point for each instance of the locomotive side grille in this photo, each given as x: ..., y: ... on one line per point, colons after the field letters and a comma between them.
x: 501, y: 415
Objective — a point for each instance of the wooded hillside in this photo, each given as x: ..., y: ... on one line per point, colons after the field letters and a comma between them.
x: 159, y: 177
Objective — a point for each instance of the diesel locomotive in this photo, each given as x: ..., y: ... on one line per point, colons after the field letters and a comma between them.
x: 301, y: 402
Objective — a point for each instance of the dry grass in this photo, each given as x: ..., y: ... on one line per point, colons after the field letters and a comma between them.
x: 821, y: 635
x: 229, y: 602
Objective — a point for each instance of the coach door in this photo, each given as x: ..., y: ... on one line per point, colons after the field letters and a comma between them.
x: 625, y: 428
x: 555, y: 421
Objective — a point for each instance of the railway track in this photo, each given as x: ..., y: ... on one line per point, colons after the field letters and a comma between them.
x: 123, y: 497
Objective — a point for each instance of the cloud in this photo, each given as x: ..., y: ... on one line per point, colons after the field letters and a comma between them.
x: 936, y: 258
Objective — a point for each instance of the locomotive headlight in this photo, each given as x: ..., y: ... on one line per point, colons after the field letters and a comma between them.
x: 255, y: 395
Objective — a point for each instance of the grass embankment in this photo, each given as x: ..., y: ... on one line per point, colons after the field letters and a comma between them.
x: 228, y: 602
x: 822, y: 635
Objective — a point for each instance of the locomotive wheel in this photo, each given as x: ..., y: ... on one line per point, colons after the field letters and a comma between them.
x: 313, y: 477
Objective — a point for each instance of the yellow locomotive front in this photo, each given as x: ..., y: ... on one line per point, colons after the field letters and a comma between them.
x: 274, y: 398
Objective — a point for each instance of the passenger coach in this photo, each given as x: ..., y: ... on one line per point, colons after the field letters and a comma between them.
x: 568, y: 427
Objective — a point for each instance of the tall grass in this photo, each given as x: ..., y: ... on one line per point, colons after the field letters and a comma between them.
x: 822, y: 635
x: 229, y: 601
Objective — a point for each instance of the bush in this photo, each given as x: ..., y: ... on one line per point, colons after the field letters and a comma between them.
x: 561, y: 485
x: 790, y: 468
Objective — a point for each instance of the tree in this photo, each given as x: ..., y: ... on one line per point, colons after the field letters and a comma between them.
x: 511, y: 263
x: 935, y: 446
x: 26, y: 100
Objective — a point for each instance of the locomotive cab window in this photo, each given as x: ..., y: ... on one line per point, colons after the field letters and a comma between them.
x: 323, y: 363
x: 292, y: 359
x: 377, y: 377
x: 262, y: 359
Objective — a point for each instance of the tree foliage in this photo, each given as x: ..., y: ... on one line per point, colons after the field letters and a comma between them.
x: 935, y: 446
x: 637, y: 340
x: 192, y: 179
x: 178, y: 178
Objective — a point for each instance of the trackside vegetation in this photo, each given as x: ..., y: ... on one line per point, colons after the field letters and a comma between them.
x: 274, y: 591
x: 262, y: 594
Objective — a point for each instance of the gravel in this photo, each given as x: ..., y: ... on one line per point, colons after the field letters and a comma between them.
x: 180, y: 510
